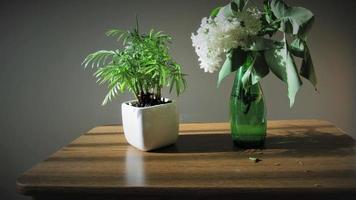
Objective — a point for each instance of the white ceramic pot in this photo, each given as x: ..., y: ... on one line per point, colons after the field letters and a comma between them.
x: 148, y: 128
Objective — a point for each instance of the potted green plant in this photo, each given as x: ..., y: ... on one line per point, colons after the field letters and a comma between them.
x: 143, y: 66
x: 253, y: 42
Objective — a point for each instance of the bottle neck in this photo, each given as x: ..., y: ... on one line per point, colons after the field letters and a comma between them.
x: 238, y: 90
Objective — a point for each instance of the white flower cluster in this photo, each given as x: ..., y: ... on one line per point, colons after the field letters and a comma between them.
x: 216, y: 36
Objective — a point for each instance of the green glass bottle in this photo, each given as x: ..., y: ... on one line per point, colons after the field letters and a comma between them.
x: 247, y: 114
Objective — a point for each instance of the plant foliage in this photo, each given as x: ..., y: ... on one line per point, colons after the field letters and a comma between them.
x: 264, y: 53
x: 142, y: 67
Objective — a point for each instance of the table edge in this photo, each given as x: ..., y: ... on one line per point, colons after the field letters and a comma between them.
x: 134, y: 190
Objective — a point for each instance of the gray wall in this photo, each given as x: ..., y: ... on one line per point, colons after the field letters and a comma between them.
x: 47, y: 99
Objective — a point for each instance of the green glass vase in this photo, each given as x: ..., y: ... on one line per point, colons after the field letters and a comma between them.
x: 247, y: 114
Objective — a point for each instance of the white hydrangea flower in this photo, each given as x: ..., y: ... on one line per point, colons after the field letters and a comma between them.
x: 216, y: 36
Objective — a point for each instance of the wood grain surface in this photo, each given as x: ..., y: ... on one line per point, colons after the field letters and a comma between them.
x: 300, y: 157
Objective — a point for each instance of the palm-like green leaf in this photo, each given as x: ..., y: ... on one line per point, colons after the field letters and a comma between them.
x: 98, y: 58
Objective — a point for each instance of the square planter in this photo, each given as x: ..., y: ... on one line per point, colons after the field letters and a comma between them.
x: 148, y: 128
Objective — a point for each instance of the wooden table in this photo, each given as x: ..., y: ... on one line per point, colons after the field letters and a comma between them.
x: 307, y: 159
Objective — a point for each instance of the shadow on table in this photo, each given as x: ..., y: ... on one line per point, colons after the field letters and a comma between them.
x: 310, y: 142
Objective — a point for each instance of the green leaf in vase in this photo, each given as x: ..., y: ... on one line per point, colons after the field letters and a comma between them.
x: 261, y: 44
x: 294, y: 20
x: 307, y: 69
x: 261, y: 68
x: 257, y: 68
x: 215, y: 12
x: 297, y: 48
x: 234, y: 60
x: 240, y: 4
x: 229, y: 10
x: 282, y: 65
x: 235, y: 6
x: 247, y: 76
x: 300, y: 49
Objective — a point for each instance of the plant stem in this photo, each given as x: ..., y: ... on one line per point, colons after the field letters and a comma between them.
x: 158, y: 95
x: 137, y: 25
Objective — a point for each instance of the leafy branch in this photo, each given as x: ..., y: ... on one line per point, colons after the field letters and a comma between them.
x: 264, y: 54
